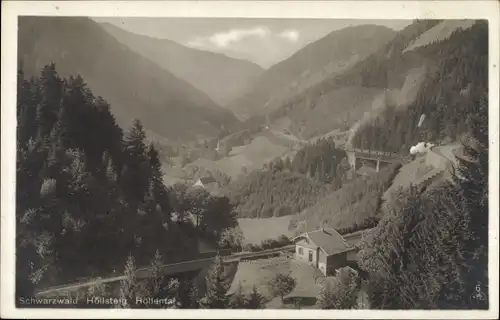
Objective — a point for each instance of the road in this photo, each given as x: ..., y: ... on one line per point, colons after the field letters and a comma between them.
x: 174, y: 268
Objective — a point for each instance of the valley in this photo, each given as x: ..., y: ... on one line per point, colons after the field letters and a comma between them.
x: 282, y: 187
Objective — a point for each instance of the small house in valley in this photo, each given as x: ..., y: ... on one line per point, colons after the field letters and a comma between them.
x: 205, y: 182
x: 326, y: 250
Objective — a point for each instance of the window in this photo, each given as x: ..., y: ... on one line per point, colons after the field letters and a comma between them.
x: 301, y: 250
x: 310, y: 255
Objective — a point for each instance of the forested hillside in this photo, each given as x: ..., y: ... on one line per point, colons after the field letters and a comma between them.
x: 320, y: 160
x: 88, y: 195
x: 456, y: 88
x: 354, y: 207
x: 264, y: 194
x: 135, y: 86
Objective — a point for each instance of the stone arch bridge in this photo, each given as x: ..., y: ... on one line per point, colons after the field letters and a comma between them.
x: 356, y: 156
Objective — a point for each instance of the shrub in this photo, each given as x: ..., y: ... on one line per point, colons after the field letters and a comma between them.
x: 281, y: 285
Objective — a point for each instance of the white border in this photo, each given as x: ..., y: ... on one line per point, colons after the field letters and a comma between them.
x: 250, y: 9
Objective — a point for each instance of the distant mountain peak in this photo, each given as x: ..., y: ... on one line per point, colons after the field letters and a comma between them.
x: 219, y: 76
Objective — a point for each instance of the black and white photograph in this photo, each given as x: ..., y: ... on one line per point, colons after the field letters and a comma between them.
x: 244, y: 162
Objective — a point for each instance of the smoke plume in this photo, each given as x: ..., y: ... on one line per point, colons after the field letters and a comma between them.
x: 421, y: 147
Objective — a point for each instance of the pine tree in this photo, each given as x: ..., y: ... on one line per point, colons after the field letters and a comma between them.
x: 156, y: 178
x: 156, y: 170
x: 193, y: 297
x: 155, y: 277
x: 255, y: 300
x: 238, y: 300
x: 136, y: 174
x: 128, y: 286
x: 215, y: 296
x: 50, y: 100
x: 325, y: 297
x: 62, y: 125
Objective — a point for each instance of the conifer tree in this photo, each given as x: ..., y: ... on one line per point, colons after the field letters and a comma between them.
x: 193, y: 297
x: 255, y: 300
x: 136, y: 174
x: 155, y: 277
x: 129, y: 286
x: 325, y: 297
x: 156, y: 170
x: 238, y: 299
x: 215, y: 296
x: 156, y: 178
x: 50, y: 100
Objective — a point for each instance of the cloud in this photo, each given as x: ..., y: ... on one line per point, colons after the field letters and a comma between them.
x: 257, y: 43
x: 290, y: 35
x: 226, y: 38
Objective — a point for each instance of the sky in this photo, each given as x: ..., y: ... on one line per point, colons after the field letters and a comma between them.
x: 262, y: 41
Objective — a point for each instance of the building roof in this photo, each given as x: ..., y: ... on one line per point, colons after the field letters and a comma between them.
x: 328, y: 239
x: 354, y: 238
x: 204, y: 181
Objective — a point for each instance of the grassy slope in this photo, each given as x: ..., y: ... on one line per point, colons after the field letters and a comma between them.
x: 251, y: 156
x: 259, y: 229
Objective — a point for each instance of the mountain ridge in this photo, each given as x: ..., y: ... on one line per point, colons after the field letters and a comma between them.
x: 222, y: 78
x: 310, y: 65
x: 170, y: 107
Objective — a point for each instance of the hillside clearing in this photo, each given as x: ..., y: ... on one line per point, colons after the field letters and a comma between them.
x: 244, y: 158
x: 258, y: 229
